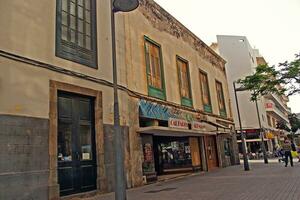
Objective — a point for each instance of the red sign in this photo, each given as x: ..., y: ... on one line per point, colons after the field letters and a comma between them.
x: 269, y: 105
x: 198, y: 126
x: 178, y: 123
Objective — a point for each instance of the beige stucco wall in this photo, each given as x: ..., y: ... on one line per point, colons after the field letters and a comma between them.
x: 25, y: 34
x: 137, y: 26
x: 24, y: 90
x: 29, y: 31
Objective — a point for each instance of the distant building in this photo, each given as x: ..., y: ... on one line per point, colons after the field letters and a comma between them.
x: 242, y: 60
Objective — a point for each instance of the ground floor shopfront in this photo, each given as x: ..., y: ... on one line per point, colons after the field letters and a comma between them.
x: 272, y: 140
x: 179, y: 144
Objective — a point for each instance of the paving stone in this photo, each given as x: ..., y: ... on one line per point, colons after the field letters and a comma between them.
x: 264, y: 182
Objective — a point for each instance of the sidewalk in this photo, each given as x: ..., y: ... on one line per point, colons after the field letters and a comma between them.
x: 264, y: 182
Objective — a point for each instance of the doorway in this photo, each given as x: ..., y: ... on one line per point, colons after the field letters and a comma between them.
x: 211, y: 152
x: 76, y: 155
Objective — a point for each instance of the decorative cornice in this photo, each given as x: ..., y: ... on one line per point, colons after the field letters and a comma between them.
x: 163, y: 21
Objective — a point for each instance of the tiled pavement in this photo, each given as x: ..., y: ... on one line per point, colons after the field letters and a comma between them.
x: 264, y: 182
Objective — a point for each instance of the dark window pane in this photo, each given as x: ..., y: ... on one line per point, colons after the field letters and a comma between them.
x: 73, y: 36
x: 84, y: 110
x: 87, y: 16
x: 64, y: 142
x: 80, y: 12
x: 72, y: 22
x: 72, y: 8
x: 87, y: 29
x: 64, y: 33
x: 88, y: 42
x: 80, y: 25
x: 88, y: 4
x: 80, y: 2
x: 65, y: 5
x: 80, y: 40
x: 86, y: 142
x: 65, y: 107
x: 64, y: 18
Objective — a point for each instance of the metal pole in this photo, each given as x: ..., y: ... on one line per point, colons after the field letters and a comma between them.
x: 120, y: 189
x: 245, y: 157
x: 263, y: 148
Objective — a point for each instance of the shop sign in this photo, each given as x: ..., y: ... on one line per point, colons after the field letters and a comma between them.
x: 152, y: 110
x: 270, y: 135
x: 178, y: 123
x: 269, y: 105
x: 198, y: 126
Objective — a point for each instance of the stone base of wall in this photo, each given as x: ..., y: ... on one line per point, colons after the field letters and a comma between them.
x: 24, y: 157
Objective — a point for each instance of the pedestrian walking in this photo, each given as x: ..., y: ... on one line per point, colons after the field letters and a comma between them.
x: 287, y: 147
x: 280, y: 154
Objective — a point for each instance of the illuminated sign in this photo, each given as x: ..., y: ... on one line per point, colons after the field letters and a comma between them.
x: 269, y: 105
x: 178, y: 123
x: 198, y: 126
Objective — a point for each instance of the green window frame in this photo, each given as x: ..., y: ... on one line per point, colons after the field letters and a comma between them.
x: 205, y: 91
x: 154, y: 68
x: 184, y: 81
x: 76, y: 34
x: 221, y: 99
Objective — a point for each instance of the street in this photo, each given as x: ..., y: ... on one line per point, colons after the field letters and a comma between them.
x: 264, y: 182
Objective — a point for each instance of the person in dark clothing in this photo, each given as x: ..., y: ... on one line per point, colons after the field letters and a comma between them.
x: 287, y: 147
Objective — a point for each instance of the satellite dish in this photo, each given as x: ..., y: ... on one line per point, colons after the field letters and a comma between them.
x: 125, y: 5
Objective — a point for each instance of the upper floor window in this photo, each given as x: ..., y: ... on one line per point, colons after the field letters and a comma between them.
x: 205, y: 92
x: 221, y: 100
x: 154, y: 65
x: 76, y: 31
x: 184, y: 82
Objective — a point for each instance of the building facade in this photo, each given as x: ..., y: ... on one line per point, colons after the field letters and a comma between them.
x: 242, y: 60
x: 56, y: 98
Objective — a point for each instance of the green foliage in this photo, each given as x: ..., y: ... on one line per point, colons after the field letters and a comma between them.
x: 295, y: 122
x: 282, y: 125
x: 285, y: 79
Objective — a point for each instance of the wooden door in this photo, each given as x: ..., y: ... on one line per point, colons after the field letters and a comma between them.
x: 76, y: 144
x: 195, y: 151
x: 211, y: 152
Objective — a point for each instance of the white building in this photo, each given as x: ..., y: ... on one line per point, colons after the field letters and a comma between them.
x: 242, y: 60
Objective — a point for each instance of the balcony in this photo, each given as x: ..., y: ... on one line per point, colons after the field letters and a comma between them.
x: 271, y: 107
x: 279, y: 102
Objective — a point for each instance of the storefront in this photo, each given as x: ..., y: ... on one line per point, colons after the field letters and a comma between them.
x: 180, y: 143
x: 169, y: 151
x: 172, y: 154
x: 253, y: 143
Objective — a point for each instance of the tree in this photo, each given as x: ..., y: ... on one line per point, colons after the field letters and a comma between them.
x: 295, y: 122
x: 283, y: 126
x: 284, y: 79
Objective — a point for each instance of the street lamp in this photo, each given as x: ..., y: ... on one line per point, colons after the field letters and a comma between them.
x: 263, y: 148
x: 245, y: 157
x: 120, y: 187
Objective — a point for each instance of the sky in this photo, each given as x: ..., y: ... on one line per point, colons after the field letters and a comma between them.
x: 272, y: 26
